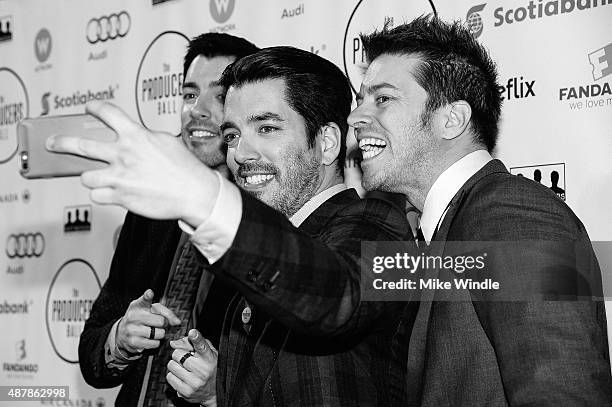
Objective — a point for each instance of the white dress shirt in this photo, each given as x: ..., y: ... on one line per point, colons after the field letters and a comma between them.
x: 446, y: 187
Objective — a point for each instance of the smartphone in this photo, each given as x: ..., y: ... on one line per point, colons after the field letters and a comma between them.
x: 37, y: 162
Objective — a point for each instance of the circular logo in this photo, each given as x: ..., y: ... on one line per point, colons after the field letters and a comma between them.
x: 24, y: 245
x: 474, y: 20
x: 368, y: 16
x: 42, y: 45
x: 72, y: 292
x: 109, y: 27
x: 14, y: 106
x: 159, y: 83
x: 221, y: 10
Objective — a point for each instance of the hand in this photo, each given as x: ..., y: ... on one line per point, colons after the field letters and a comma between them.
x: 150, y: 173
x: 195, y: 380
x: 134, y: 329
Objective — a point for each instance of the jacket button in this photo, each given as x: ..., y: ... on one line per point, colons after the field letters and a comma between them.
x: 246, y: 315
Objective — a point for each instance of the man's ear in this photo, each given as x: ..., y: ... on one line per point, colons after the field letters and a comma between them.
x: 454, y: 119
x: 330, y: 139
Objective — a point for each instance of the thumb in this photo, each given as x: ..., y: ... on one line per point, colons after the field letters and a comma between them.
x: 146, y: 300
x: 200, y: 345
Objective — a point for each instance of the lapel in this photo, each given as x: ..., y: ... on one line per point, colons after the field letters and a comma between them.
x: 417, y: 316
x: 260, y: 352
x: 316, y: 221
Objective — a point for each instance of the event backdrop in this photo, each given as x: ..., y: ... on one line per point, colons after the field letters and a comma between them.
x: 555, y: 63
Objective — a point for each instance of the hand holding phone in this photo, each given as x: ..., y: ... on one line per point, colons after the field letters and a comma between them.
x: 38, y: 162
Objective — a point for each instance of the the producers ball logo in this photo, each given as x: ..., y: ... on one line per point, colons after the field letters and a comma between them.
x: 474, y: 20
x: 159, y: 83
x: 72, y: 292
x: 14, y: 106
x: 367, y: 16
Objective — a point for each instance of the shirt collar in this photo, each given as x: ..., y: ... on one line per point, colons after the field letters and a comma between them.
x: 313, y: 203
x: 446, y: 186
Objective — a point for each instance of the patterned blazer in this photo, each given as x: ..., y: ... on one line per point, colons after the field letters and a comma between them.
x: 309, y: 340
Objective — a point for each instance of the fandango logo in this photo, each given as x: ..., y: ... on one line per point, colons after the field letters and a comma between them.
x: 78, y: 98
x: 585, y: 91
x: 14, y: 308
x: 20, y: 367
x: 540, y: 9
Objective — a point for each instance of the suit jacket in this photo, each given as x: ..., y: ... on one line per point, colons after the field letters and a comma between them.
x: 310, y: 340
x: 495, y: 353
x: 142, y: 260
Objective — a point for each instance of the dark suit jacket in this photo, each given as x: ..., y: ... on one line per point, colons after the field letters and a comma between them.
x: 142, y: 260
x: 310, y: 341
x: 492, y: 353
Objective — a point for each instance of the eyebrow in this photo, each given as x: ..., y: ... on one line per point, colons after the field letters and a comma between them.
x: 191, y: 84
x: 373, y: 88
x: 259, y: 117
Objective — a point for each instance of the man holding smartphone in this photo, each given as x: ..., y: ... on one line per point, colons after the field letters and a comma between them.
x: 122, y: 342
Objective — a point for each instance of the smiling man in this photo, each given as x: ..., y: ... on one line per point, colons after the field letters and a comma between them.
x: 427, y: 123
x: 128, y: 321
x: 299, y: 333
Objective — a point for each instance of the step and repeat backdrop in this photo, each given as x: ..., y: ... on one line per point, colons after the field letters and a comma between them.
x: 555, y: 63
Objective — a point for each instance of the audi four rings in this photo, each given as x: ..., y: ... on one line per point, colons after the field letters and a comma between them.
x: 106, y: 28
x: 24, y: 245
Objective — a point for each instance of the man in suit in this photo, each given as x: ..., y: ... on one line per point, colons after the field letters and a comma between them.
x: 427, y: 121
x: 116, y: 342
x: 299, y: 334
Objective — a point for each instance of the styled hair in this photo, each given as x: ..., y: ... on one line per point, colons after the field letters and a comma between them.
x: 314, y: 87
x: 453, y: 66
x: 217, y: 44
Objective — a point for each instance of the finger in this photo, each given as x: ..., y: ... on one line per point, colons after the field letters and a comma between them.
x: 164, y: 311
x: 104, y: 196
x: 145, y: 318
x: 94, y: 149
x: 146, y: 299
x: 114, y: 117
x: 145, y: 331
x: 98, y: 178
x: 182, y: 344
x: 181, y: 388
x: 184, y: 375
x: 200, y: 345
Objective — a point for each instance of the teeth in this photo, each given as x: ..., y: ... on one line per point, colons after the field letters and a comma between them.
x: 371, y: 147
x: 259, y: 178
x: 202, y: 134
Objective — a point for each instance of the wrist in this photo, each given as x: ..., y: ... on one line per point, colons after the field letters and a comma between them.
x: 202, y: 200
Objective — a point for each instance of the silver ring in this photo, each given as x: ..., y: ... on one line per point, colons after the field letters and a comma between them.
x: 185, y: 357
x: 152, y: 334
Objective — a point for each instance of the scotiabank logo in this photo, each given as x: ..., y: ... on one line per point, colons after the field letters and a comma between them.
x: 15, y: 307
x: 540, y: 9
x: 474, y: 20
x: 76, y: 98
x: 159, y: 83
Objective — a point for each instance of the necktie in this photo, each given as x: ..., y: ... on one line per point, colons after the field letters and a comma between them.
x: 180, y: 298
x: 419, y: 238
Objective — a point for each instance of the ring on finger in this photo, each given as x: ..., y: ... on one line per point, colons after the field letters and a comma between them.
x: 152, y: 334
x: 185, y: 357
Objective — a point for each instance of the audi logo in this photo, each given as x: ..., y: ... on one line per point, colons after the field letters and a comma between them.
x: 108, y: 27
x: 25, y: 245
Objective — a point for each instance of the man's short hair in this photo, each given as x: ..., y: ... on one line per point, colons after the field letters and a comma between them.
x: 314, y: 87
x: 217, y: 44
x: 454, y: 66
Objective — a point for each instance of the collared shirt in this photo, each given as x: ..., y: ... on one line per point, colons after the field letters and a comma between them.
x: 216, y: 234
x: 446, y: 186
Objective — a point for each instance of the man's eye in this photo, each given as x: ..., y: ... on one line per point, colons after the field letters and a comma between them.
x: 221, y: 97
x: 267, y: 129
x: 231, y: 139
x: 188, y: 95
x: 382, y: 99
